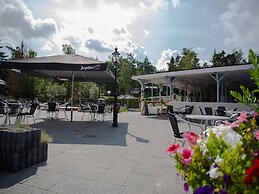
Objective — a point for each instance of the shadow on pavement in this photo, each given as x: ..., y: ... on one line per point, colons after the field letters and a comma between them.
x: 86, y: 132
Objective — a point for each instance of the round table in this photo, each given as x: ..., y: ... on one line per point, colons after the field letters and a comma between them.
x: 206, y: 118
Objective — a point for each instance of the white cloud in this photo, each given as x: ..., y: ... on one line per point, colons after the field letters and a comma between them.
x: 146, y: 33
x: 166, y: 55
x: 17, y: 19
x: 98, y: 45
x: 175, y: 3
x: 241, y: 23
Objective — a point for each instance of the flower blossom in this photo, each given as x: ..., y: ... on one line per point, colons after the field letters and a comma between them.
x: 251, y: 172
x: 242, y: 117
x: 213, y: 172
x: 228, y: 135
x: 207, y: 189
x: 173, y: 148
x: 191, y: 137
x: 186, y: 187
x: 187, y: 156
x: 257, y: 135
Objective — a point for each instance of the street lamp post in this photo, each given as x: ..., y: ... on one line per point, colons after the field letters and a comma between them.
x: 115, y: 55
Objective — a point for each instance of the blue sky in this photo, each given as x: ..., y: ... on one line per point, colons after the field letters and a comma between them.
x: 158, y: 29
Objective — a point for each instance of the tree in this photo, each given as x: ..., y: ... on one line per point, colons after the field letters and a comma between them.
x: 189, y: 59
x: 173, y: 65
x: 68, y: 49
x: 124, y: 78
x: 223, y: 59
x: 145, y: 67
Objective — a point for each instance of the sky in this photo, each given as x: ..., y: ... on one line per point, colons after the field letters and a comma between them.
x: 158, y: 29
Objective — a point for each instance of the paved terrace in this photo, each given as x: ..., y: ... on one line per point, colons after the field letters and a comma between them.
x: 93, y: 157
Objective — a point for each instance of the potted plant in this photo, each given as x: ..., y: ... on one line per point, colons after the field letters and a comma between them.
x: 22, y: 146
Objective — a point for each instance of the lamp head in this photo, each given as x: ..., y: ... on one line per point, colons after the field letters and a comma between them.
x: 116, y: 54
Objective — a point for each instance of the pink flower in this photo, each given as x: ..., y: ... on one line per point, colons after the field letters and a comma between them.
x: 191, y: 137
x: 256, y: 114
x: 257, y: 135
x: 234, y: 124
x: 227, y: 123
x: 187, y: 156
x: 173, y: 148
x: 243, y: 117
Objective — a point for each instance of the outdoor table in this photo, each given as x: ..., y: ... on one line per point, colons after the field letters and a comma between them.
x: 206, y: 118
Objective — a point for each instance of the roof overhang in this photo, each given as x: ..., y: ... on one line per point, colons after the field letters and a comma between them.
x: 201, y: 77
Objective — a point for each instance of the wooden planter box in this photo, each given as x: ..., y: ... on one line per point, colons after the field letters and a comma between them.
x: 19, y: 150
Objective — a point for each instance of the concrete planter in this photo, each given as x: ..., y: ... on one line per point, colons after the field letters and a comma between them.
x: 19, y: 150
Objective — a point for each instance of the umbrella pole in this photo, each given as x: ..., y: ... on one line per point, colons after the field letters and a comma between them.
x: 72, y: 96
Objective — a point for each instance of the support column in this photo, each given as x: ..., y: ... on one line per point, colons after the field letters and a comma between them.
x: 217, y: 77
x: 170, y: 81
x: 72, y: 95
x: 143, y: 85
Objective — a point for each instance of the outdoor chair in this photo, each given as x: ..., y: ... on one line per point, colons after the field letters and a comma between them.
x: 170, y: 109
x: 3, y: 112
x: 100, y: 110
x: 93, y: 110
x: 63, y: 108
x: 85, y: 108
x: 12, y: 110
x: 208, y: 110
x: 28, y: 114
x: 221, y: 112
x: 188, y: 109
x: 52, y: 109
x: 202, y: 113
x: 174, y: 119
x: 222, y: 108
x: 108, y: 111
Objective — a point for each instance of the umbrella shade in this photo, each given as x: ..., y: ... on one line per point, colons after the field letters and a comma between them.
x: 61, y: 67
x: 72, y: 67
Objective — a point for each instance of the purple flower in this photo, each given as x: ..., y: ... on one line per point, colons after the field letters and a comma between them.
x: 186, y: 187
x: 207, y: 189
x: 223, y: 192
x: 226, y: 179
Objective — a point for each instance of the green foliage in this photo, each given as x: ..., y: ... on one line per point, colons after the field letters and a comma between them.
x: 189, y: 59
x: 68, y: 49
x: 249, y: 97
x: 45, y: 137
x: 223, y: 59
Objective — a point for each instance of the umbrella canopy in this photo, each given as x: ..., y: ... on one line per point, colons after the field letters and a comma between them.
x: 71, y: 67
x: 62, y: 66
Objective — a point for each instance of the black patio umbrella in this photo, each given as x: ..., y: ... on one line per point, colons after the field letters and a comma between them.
x: 72, y: 67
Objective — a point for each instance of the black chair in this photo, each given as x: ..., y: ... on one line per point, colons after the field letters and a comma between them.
x: 93, y: 110
x: 3, y: 112
x: 52, y: 108
x: 28, y: 114
x: 100, y: 110
x: 221, y: 108
x: 202, y: 113
x: 176, y: 131
x: 170, y: 109
x: 189, y: 109
x: 221, y: 112
x: 208, y: 110
x: 13, y: 110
